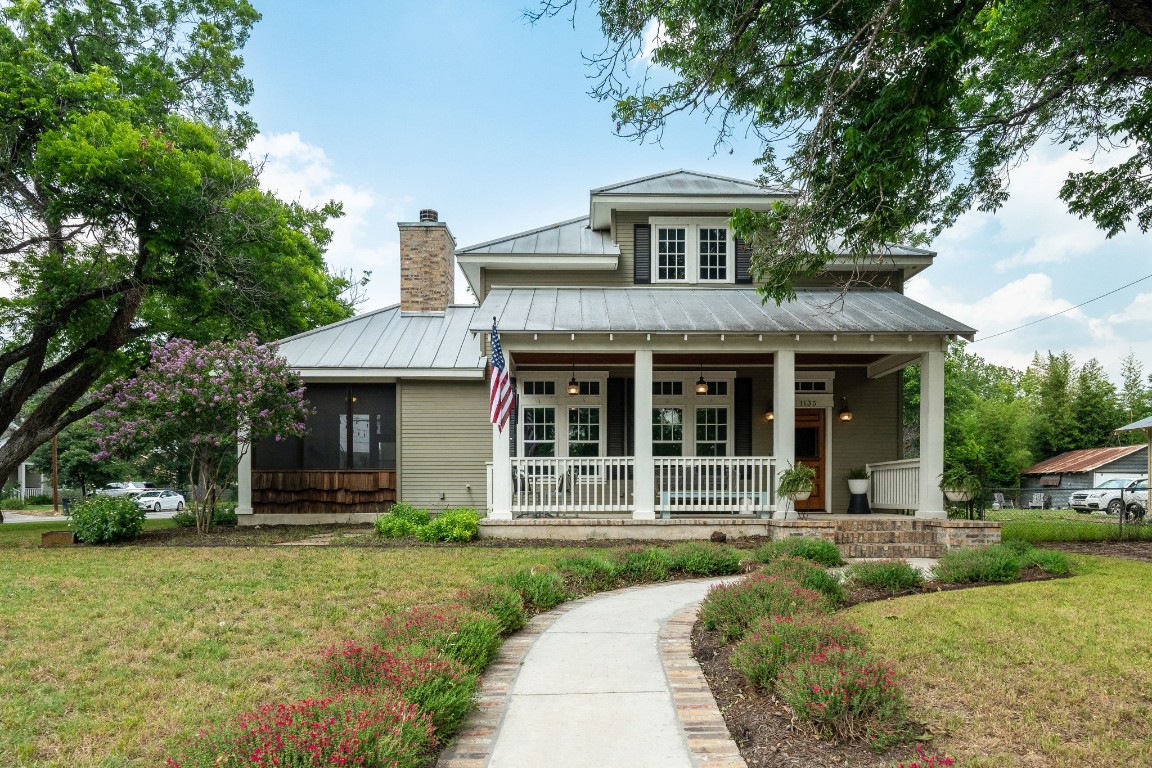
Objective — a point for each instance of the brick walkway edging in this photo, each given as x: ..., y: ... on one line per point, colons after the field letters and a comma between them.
x: 701, y: 723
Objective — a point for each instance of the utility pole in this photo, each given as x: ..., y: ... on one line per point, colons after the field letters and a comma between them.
x: 55, y: 480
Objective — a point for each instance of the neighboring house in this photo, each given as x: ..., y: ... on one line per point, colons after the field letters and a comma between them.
x: 1060, y: 475
x: 27, y: 479
x: 651, y: 378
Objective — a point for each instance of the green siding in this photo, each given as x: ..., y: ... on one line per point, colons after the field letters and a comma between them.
x: 445, y: 441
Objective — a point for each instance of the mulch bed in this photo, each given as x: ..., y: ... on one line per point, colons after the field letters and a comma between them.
x: 762, y: 725
x: 1125, y: 550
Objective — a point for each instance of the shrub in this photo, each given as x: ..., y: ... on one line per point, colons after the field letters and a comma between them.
x: 844, y: 693
x: 352, y: 729
x: 995, y: 563
x: 224, y: 514
x: 503, y: 603
x: 779, y: 640
x: 589, y: 573
x: 733, y: 608
x: 699, y: 559
x: 459, y: 525
x: 890, y: 575
x: 540, y: 590
x: 807, y: 575
x: 651, y: 564
x: 925, y: 760
x: 105, y: 519
x: 13, y: 503
x: 820, y: 551
x: 1055, y: 563
x: 402, y: 520
x: 440, y: 686
x: 468, y: 636
x: 39, y: 499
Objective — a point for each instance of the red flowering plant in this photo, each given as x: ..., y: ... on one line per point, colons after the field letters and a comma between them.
x: 732, y: 608
x: 438, y: 685
x: 777, y: 641
x: 206, y: 403
x: 380, y: 730
x: 471, y: 637
x: 844, y: 693
x: 924, y: 760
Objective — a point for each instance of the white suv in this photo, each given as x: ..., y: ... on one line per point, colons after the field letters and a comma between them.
x: 1106, y: 498
x: 1136, y: 499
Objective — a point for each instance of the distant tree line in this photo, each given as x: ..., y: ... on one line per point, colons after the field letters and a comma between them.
x: 999, y: 421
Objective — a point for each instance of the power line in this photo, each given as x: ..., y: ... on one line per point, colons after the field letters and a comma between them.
x: 1069, y: 309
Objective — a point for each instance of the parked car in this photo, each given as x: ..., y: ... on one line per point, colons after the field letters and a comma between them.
x: 123, y: 489
x: 1136, y: 500
x: 1106, y: 497
x: 155, y: 501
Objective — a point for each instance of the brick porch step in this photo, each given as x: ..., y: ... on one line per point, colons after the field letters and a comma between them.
x: 886, y: 537
x: 866, y: 524
x: 892, y: 551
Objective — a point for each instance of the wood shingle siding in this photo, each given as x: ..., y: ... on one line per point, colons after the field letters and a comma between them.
x: 445, y: 440
x: 303, y: 492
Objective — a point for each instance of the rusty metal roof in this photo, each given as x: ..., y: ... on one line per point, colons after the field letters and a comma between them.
x: 1084, y: 460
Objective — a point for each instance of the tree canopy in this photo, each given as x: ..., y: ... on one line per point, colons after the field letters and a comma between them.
x: 890, y: 118
x: 128, y: 212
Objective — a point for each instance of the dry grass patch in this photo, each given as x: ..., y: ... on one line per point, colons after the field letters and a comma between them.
x: 113, y: 656
x: 1053, y: 673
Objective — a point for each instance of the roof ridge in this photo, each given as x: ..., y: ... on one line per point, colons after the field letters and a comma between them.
x: 662, y: 174
x: 522, y: 234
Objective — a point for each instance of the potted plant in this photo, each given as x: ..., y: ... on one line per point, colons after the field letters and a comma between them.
x: 959, y: 484
x: 858, y: 480
x: 796, y: 482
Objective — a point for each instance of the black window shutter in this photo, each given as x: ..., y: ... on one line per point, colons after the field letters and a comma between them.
x: 642, y: 254
x: 742, y: 418
x: 513, y: 419
x: 743, y: 262
x: 617, y: 416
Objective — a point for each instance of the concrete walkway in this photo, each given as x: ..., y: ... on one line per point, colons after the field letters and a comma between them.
x: 607, y: 681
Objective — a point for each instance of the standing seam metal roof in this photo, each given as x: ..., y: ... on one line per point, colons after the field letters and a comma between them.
x: 390, y: 339
x: 571, y: 237
x: 708, y: 310
x: 685, y: 182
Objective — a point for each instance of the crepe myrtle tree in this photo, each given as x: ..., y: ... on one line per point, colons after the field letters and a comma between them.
x: 207, y: 403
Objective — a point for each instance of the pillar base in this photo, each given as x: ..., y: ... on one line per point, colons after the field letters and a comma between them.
x: 644, y: 514
x: 499, y: 516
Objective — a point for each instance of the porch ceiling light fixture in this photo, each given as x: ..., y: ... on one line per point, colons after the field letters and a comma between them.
x: 845, y: 412
x: 701, y: 385
x: 573, y: 385
x: 769, y: 415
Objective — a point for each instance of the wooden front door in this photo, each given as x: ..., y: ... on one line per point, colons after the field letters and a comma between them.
x: 810, y: 451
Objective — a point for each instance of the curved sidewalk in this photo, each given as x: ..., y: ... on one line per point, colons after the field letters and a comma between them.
x: 608, y: 681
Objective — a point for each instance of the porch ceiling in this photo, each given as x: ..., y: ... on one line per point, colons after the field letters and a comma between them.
x: 695, y: 310
x: 692, y: 360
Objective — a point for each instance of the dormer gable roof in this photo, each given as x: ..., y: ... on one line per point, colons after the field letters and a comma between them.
x: 680, y: 191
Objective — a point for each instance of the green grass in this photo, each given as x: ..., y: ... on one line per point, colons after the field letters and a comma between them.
x: 114, y: 655
x: 1064, y: 525
x: 1053, y: 673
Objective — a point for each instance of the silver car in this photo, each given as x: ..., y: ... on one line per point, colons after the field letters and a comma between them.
x: 1105, y: 497
x: 156, y: 501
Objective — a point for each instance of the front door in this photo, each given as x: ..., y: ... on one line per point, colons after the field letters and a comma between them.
x: 810, y: 451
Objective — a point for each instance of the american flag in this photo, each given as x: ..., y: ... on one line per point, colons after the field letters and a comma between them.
x: 500, y: 398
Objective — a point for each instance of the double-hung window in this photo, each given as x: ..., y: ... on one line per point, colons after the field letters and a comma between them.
x: 687, y: 424
x: 693, y: 251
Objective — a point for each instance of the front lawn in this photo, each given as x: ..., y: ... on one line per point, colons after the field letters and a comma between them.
x: 113, y: 656
x: 1054, y: 673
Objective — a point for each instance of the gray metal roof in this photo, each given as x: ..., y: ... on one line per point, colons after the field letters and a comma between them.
x: 708, y: 310
x: 1137, y: 426
x: 685, y: 182
x: 388, y: 339
x: 568, y: 238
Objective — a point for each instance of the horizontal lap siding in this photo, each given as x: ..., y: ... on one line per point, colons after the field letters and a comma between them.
x: 873, y: 435
x: 445, y: 440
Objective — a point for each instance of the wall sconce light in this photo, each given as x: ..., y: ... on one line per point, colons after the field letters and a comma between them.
x: 701, y: 385
x: 769, y: 414
x: 845, y: 412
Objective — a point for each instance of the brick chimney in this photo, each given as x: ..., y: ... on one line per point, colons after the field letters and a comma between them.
x: 427, y: 264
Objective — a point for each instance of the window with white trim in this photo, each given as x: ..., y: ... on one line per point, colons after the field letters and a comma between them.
x: 692, y: 251
x: 667, y: 431
x: 711, y: 431
x: 687, y: 424
x: 539, y: 424
x: 584, y: 431
x: 556, y: 424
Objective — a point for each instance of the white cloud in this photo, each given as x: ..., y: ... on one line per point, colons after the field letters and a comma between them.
x: 1138, y: 311
x: 653, y: 39
x: 365, y: 238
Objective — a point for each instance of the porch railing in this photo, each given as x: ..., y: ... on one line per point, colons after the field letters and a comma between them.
x: 738, y: 484
x: 571, y: 486
x: 895, y: 484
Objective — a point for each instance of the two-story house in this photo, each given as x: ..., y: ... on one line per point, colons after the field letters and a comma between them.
x: 652, y: 381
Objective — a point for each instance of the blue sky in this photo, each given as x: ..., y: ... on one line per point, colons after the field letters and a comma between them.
x: 464, y: 107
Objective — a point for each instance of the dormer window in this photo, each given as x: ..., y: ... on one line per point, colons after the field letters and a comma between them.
x: 692, y: 251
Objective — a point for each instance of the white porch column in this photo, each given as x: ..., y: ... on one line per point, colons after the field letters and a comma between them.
x: 784, y: 406
x: 244, y: 482
x: 644, y: 471
x: 21, y: 477
x: 931, y: 435
x: 501, y: 474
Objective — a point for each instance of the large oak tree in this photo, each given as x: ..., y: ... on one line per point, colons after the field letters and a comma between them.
x: 891, y: 117
x: 128, y: 213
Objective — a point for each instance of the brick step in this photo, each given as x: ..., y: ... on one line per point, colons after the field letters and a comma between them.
x: 876, y: 525
x: 885, y: 537
x: 890, y: 551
